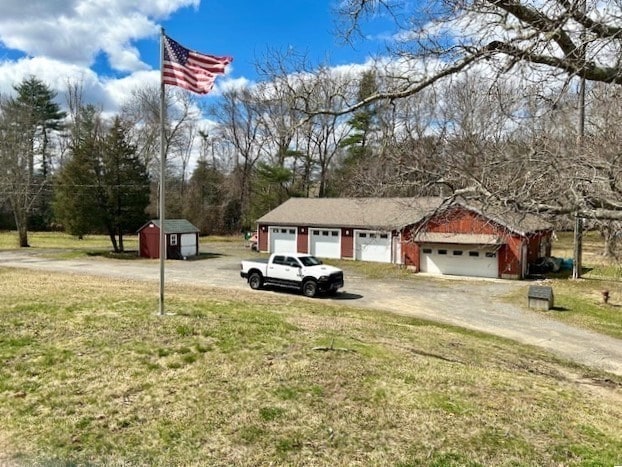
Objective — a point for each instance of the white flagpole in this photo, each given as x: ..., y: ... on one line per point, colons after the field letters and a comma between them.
x: 162, y: 172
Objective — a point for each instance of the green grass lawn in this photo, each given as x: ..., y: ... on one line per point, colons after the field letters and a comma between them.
x: 60, y: 240
x: 580, y: 302
x: 577, y: 302
x: 69, y: 246
x: 91, y: 375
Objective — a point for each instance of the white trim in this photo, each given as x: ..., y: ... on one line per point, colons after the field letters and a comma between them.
x: 396, y: 249
x: 524, y: 262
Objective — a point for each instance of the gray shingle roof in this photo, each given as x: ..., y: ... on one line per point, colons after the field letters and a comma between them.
x: 384, y: 213
x: 374, y: 213
x: 175, y: 226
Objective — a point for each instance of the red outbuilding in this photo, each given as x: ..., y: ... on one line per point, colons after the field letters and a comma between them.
x: 429, y: 235
x: 181, y: 238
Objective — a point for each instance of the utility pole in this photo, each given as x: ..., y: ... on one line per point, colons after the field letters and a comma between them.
x: 577, y: 263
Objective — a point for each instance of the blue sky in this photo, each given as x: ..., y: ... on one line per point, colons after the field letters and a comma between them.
x: 245, y: 29
x: 112, y: 47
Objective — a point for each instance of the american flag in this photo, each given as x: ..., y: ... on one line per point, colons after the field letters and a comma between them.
x: 191, y: 70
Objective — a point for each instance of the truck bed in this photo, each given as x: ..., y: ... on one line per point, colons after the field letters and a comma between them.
x: 257, y: 260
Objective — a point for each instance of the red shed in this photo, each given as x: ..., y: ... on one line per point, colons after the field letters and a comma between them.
x: 182, y: 239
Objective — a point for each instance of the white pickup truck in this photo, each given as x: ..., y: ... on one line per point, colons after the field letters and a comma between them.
x: 293, y: 270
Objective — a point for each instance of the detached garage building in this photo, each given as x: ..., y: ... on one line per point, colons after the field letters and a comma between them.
x: 424, y: 234
x: 181, y: 238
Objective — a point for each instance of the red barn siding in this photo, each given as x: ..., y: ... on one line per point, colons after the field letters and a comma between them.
x: 262, y: 238
x: 347, y: 243
x: 463, y: 221
x: 149, y: 239
x: 302, y: 240
x: 510, y: 258
x: 410, y: 250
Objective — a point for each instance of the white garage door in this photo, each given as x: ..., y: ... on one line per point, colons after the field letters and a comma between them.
x: 188, y: 244
x: 325, y: 243
x: 282, y: 240
x: 459, y: 260
x: 373, y: 246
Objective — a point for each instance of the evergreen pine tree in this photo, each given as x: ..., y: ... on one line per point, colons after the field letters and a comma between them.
x: 125, y: 187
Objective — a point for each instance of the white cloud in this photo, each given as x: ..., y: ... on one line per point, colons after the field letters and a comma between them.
x: 61, y: 39
x: 52, y: 72
x: 20, y: 9
x: 224, y: 84
x: 76, y: 31
x: 120, y: 90
x: 109, y: 94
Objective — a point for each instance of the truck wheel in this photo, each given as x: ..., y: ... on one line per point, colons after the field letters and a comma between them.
x: 309, y: 288
x: 255, y: 281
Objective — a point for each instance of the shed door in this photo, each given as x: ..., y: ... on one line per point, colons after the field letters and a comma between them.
x: 325, y: 243
x: 459, y: 260
x: 373, y: 246
x: 282, y: 240
x: 188, y: 245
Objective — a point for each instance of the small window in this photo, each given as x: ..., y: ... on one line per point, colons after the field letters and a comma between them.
x: 334, y: 233
x: 491, y: 254
x: 362, y: 235
x: 275, y: 230
x: 427, y: 251
x: 173, y: 239
x: 292, y: 262
x: 292, y: 231
x: 325, y: 233
x: 442, y: 252
x: 283, y: 230
x: 474, y: 254
x: 458, y: 252
x: 384, y: 236
x: 316, y: 232
x: 372, y: 235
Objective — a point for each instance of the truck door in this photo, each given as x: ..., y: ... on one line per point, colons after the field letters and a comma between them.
x: 285, y: 268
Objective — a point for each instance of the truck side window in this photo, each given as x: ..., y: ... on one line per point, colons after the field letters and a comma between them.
x: 292, y: 262
x: 279, y: 260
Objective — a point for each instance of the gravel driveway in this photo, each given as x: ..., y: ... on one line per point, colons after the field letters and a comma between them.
x: 469, y: 303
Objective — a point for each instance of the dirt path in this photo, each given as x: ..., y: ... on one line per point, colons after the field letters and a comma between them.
x: 473, y: 304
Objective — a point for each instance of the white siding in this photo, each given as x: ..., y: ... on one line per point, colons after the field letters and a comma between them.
x: 188, y: 244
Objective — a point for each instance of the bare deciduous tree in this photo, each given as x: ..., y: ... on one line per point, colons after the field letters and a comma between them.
x: 545, y: 45
x: 558, y: 37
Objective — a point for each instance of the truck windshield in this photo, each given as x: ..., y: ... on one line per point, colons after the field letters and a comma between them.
x: 309, y: 261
